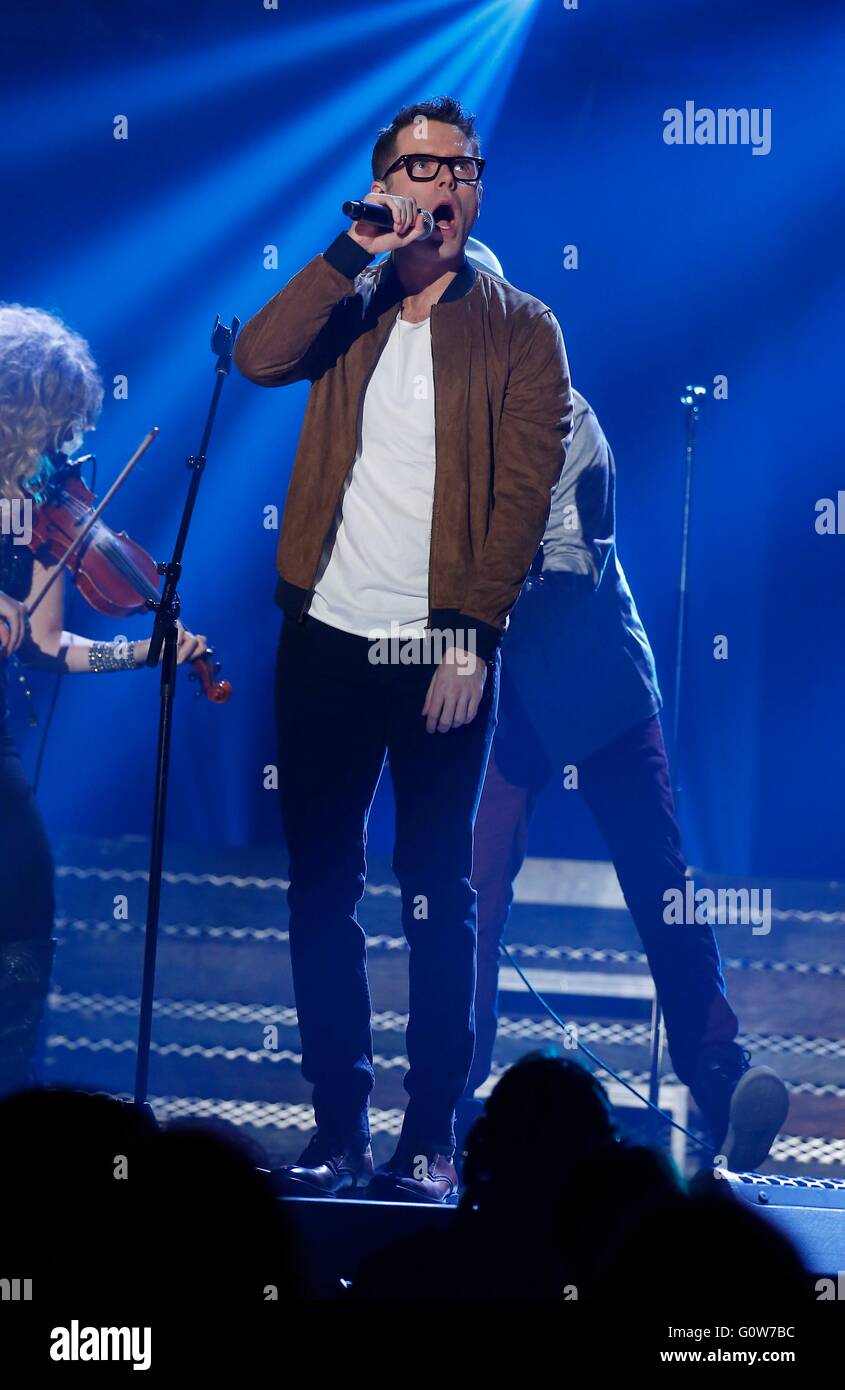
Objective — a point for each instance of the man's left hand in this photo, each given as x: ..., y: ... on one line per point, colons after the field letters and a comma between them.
x: 455, y: 691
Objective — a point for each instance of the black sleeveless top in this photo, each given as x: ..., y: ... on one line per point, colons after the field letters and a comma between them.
x: 16, y: 563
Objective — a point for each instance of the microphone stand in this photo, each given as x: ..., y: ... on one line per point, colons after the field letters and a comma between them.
x: 691, y: 401
x: 165, y: 637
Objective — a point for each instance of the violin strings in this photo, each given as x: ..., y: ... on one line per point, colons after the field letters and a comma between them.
x: 127, y: 568
x: 112, y: 551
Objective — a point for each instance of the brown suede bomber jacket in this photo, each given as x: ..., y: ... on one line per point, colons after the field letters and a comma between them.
x: 503, y: 412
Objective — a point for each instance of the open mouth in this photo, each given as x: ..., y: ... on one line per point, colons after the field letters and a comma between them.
x: 443, y: 214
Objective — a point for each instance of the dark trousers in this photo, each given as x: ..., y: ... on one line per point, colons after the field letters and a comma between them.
x: 26, y: 921
x: 338, y: 716
x: 27, y: 903
x: 628, y: 789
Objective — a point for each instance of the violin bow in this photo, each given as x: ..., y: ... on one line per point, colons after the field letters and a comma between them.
x: 92, y: 519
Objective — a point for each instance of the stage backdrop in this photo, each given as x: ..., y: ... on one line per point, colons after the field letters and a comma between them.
x: 167, y: 163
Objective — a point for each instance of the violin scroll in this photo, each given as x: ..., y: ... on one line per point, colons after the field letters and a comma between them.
x: 204, y: 669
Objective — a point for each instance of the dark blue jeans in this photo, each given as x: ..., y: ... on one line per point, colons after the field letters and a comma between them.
x: 338, y: 716
x: 628, y: 789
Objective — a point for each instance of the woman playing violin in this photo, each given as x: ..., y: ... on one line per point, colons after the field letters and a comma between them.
x: 50, y: 394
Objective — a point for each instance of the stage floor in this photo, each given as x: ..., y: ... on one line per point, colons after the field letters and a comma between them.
x: 225, y: 1039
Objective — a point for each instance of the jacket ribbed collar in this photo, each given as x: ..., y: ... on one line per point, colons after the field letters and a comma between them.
x: 389, y: 289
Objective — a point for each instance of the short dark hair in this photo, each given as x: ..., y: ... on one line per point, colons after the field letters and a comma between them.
x: 445, y: 109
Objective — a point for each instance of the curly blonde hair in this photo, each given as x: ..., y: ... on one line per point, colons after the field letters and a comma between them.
x: 48, y: 384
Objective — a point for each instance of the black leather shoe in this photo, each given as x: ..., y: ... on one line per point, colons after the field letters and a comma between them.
x: 743, y: 1106
x: 421, y: 1178
x: 326, y: 1169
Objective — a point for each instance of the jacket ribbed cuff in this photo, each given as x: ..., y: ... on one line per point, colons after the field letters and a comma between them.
x: 469, y: 633
x: 346, y: 256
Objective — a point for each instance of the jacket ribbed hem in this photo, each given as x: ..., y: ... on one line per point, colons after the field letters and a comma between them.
x: 478, y: 636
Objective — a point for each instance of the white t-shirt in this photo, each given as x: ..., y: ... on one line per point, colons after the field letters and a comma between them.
x: 374, y: 567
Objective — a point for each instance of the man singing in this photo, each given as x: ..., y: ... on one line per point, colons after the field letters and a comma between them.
x: 434, y: 434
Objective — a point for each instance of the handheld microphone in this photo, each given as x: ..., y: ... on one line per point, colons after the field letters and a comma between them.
x: 381, y: 216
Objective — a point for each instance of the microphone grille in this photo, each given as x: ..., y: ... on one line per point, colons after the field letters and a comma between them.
x: 428, y: 222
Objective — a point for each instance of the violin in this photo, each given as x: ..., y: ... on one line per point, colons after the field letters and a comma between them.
x: 113, y: 573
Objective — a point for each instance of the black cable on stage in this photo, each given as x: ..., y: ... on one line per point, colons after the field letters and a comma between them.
x: 602, y: 1066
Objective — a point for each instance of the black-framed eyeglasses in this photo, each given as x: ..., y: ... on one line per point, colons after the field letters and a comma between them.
x: 423, y: 168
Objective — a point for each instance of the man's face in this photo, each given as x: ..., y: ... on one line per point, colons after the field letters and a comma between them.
x: 455, y: 205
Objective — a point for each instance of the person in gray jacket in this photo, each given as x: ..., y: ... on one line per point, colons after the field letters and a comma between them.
x: 579, y: 699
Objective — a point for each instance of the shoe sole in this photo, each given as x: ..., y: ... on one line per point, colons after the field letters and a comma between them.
x: 297, y: 1187
x: 759, y: 1106
x: 383, y: 1189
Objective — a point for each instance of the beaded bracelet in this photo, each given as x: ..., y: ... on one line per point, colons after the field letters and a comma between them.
x: 102, y: 656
